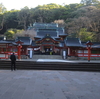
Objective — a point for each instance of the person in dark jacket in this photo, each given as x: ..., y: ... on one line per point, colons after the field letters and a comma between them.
x: 13, y: 61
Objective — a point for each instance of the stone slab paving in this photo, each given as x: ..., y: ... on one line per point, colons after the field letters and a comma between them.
x: 46, y: 84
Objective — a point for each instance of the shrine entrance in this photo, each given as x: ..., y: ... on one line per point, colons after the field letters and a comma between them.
x: 48, y: 50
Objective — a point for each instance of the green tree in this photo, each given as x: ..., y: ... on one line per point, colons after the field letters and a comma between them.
x: 85, y: 35
x: 10, y: 33
x: 23, y: 17
x: 89, y: 2
x: 11, y: 19
x: 2, y: 17
x: 46, y: 13
x: 2, y: 9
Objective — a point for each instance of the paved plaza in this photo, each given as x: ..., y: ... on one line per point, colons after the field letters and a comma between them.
x: 46, y: 84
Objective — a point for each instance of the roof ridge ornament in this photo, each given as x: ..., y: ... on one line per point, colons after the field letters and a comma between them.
x: 47, y: 34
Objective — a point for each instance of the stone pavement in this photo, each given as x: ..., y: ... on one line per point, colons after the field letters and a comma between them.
x: 46, y: 84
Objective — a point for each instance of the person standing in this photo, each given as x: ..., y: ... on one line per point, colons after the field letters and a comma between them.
x: 13, y: 62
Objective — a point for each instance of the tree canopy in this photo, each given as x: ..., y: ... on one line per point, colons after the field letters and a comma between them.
x: 89, y: 2
x: 79, y: 20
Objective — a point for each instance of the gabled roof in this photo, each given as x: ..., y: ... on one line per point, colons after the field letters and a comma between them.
x: 34, y: 44
x: 51, y: 33
x: 47, y: 37
x: 45, y: 25
x: 6, y: 41
x: 1, y: 38
x: 61, y: 44
x: 26, y: 40
x: 73, y: 42
x: 95, y: 45
x: 37, y: 37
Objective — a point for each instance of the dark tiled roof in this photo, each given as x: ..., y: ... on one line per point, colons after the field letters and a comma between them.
x: 26, y: 40
x: 1, y: 38
x: 57, y: 38
x: 6, y: 41
x: 48, y: 36
x: 39, y: 37
x: 61, y: 44
x: 53, y: 33
x: 95, y: 44
x: 33, y: 43
x: 73, y: 42
x: 60, y: 30
x: 44, y: 25
x: 47, y: 30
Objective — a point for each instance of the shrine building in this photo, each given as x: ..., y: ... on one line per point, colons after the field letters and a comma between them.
x: 49, y: 40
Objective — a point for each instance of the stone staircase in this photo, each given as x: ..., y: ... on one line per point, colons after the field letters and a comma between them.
x: 34, y: 65
x: 47, y: 57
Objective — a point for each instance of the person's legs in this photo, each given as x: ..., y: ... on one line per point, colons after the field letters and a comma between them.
x: 14, y: 66
x: 11, y: 66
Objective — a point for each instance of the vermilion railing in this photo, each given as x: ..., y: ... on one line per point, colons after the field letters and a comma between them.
x: 86, y: 55
x: 5, y: 55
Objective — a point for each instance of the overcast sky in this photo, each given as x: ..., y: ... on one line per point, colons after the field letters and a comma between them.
x: 18, y: 4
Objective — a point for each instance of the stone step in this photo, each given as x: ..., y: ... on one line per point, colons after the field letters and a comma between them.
x: 33, y: 65
x: 47, y: 57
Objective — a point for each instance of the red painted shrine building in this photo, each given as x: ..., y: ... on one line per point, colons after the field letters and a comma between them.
x: 49, y: 40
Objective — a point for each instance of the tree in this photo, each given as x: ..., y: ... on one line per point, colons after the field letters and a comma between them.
x: 85, y: 35
x: 89, y: 2
x: 10, y: 33
x: 2, y: 9
x: 1, y: 21
x: 2, y: 17
x: 23, y: 17
x: 11, y: 19
x: 61, y: 23
x: 29, y: 33
x: 47, y: 13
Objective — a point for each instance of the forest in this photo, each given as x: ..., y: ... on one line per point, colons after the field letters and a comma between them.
x: 79, y: 20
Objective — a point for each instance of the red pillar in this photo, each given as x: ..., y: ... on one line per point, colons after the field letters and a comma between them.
x: 19, y: 43
x: 19, y: 51
x: 89, y: 44
x: 89, y: 52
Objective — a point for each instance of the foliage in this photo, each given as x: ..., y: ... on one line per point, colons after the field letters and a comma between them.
x: 10, y: 33
x: 89, y: 2
x: 23, y: 16
x: 79, y: 20
x: 2, y: 17
x: 2, y: 9
x: 85, y: 35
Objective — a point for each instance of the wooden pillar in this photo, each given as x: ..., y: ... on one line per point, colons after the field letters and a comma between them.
x: 19, y: 51
x: 89, y: 44
x: 19, y: 43
x: 89, y: 52
x: 68, y: 51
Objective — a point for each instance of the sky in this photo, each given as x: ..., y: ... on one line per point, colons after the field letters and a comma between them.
x: 18, y: 4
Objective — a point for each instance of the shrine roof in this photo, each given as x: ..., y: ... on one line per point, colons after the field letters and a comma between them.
x: 95, y: 44
x: 1, y: 38
x: 47, y: 36
x: 63, y: 35
x: 6, y: 41
x: 33, y: 43
x: 38, y: 37
x: 73, y: 42
x: 45, y: 25
x: 52, y: 34
x: 25, y: 40
x: 61, y: 44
